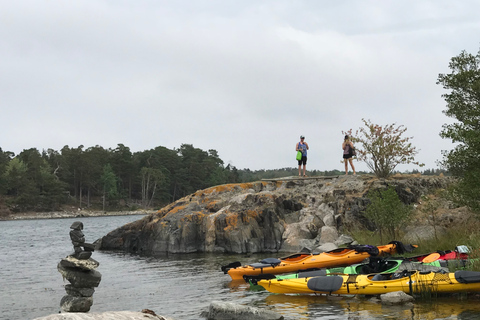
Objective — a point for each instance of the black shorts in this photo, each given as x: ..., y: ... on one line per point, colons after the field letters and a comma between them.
x: 346, y: 156
x: 303, y: 161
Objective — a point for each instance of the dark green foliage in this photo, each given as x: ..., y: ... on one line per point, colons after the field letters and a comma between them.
x: 109, y: 182
x: 109, y: 179
x: 29, y: 179
x: 387, y: 212
x: 5, y: 158
x: 463, y: 105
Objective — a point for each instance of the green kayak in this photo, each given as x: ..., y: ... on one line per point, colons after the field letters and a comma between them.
x: 375, y: 265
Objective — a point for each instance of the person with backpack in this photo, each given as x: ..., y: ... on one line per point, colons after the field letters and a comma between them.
x: 348, y: 153
x: 302, y: 146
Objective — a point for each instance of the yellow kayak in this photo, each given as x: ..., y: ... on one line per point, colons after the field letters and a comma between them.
x: 410, y: 282
x: 304, y: 261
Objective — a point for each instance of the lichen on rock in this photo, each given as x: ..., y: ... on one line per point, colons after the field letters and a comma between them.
x: 278, y: 215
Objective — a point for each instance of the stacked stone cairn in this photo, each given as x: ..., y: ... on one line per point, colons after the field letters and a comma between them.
x: 79, y: 269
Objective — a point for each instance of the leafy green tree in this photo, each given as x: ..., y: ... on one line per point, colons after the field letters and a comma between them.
x: 383, y: 147
x: 109, y: 183
x: 31, y: 182
x: 233, y: 176
x: 387, y: 212
x: 463, y: 105
x: 52, y: 190
x: 95, y: 159
x: 165, y: 160
x: 16, y: 177
x: 5, y: 158
x: 24, y: 195
x: 55, y: 160
x: 72, y: 170
x: 121, y: 160
x: 200, y: 168
x: 34, y: 161
x: 151, y: 178
x: 430, y: 209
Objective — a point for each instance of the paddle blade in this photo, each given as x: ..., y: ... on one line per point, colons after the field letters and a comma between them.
x: 431, y: 257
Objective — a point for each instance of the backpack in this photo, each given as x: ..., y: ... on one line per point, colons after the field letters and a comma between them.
x: 351, y: 151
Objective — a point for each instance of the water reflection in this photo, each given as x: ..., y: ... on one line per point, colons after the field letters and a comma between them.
x: 360, y: 307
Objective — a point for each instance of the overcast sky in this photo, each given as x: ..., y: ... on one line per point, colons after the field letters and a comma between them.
x: 245, y: 78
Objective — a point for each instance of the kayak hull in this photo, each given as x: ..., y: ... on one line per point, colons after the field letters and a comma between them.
x: 411, y: 282
x: 334, y: 258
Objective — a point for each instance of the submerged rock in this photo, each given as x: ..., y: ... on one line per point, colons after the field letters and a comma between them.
x: 397, y: 297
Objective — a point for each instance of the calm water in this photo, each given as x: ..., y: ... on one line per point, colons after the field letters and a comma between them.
x: 177, y: 286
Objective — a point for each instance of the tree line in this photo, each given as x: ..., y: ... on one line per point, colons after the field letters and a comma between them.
x: 107, y: 178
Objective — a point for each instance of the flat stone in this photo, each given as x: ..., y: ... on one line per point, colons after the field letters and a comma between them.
x: 79, y: 292
x: 81, y: 278
x: 86, y: 264
x: 76, y: 304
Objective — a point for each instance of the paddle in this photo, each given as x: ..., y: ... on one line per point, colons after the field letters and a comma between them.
x: 431, y: 257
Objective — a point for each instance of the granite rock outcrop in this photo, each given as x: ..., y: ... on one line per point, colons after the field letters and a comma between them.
x: 278, y: 215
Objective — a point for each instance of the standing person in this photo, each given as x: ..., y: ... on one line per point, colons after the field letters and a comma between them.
x: 347, y: 147
x: 303, y: 147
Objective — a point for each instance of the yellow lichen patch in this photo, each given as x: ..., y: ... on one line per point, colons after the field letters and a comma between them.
x: 176, y: 209
x: 166, y: 209
x: 169, y: 207
x: 172, y: 211
x: 268, y: 195
x: 232, y: 221
x: 196, y: 217
x: 249, y: 215
x: 211, y: 205
x: 199, y: 193
x: 228, y: 187
x: 205, y: 199
x: 164, y: 224
x: 219, y: 189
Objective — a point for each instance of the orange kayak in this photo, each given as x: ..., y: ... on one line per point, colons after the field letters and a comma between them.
x: 303, y: 261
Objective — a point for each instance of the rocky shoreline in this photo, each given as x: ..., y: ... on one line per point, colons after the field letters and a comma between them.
x: 70, y: 214
x: 274, y: 215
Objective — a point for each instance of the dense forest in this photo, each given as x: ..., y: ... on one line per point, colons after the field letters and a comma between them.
x: 117, y: 179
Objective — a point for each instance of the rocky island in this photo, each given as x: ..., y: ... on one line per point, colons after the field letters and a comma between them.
x: 278, y: 215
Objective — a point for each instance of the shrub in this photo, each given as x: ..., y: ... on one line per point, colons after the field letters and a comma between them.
x: 387, y: 212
